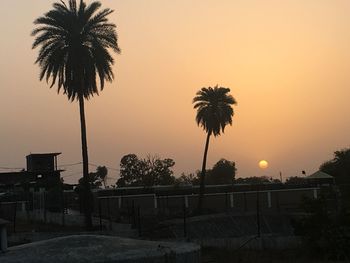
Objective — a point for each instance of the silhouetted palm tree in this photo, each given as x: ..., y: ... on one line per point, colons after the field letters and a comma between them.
x: 74, y: 45
x: 214, y: 112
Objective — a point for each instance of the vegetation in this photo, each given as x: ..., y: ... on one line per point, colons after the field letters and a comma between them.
x: 96, y: 179
x: 145, y: 172
x: 214, y: 112
x: 188, y: 179
x: 74, y: 45
x: 293, y: 180
x: 326, y: 233
x: 223, y: 172
x: 339, y: 167
x: 101, y: 174
x: 326, y: 226
x: 256, y: 180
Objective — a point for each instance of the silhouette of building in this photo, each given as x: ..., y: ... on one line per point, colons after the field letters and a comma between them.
x: 320, y: 178
x: 42, y: 172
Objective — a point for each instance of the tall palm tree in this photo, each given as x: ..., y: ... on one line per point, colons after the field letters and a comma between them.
x: 74, y: 45
x: 214, y: 112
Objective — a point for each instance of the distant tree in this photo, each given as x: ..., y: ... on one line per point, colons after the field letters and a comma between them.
x: 101, y: 173
x: 74, y: 41
x: 158, y: 171
x: 188, y: 179
x: 275, y: 181
x: 253, y: 180
x: 296, y: 180
x: 92, y: 179
x: 96, y: 179
x: 132, y: 170
x: 339, y: 167
x: 214, y: 112
x: 223, y: 172
x: 145, y: 172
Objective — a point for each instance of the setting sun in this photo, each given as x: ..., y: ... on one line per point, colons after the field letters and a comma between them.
x: 263, y: 164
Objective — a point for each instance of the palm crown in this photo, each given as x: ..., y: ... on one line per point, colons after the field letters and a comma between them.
x: 74, y: 44
x: 214, y: 109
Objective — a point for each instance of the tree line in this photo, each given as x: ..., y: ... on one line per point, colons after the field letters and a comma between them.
x: 154, y: 170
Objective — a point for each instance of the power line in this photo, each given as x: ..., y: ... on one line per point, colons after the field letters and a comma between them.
x: 69, y: 164
x: 91, y: 164
x: 11, y: 168
x: 110, y: 168
x: 61, y: 165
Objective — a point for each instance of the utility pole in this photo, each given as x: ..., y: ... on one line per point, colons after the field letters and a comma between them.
x: 281, y: 177
x: 258, y: 211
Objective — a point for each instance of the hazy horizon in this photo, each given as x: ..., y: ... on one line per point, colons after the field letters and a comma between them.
x: 286, y: 62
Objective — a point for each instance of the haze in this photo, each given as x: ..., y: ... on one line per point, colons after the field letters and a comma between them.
x: 286, y: 62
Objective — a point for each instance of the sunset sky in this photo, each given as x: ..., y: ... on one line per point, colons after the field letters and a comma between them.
x: 287, y: 64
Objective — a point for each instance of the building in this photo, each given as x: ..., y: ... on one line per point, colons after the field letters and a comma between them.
x: 320, y: 178
x: 42, y: 172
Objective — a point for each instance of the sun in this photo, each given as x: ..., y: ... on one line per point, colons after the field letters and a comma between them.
x: 263, y: 164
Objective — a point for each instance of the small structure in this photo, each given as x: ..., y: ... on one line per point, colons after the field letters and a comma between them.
x: 43, y: 169
x: 320, y: 178
x: 3, y: 235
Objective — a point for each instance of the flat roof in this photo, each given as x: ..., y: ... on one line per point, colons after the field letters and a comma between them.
x: 44, y: 154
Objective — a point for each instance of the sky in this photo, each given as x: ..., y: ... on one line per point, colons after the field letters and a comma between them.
x: 286, y: 62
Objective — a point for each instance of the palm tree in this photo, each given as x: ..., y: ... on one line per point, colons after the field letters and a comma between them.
x: 214, y: 112
x: 74, y: 45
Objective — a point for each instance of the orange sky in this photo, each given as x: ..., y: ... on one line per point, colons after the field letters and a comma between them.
x: 287, y: 64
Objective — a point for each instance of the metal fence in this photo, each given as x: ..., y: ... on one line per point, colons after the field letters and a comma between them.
x: 145, y: 211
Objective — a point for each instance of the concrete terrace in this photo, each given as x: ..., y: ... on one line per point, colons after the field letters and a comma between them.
x: 94, y: 248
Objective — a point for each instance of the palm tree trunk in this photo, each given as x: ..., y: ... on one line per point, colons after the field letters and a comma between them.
x: 202, y: 185
x: 87, y: 200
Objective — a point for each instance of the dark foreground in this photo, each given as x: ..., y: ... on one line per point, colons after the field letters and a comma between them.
x: 214, y: 255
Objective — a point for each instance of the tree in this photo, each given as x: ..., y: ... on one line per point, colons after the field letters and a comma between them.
x: 145, y: 172
x: 214, y: 112
x: 93, y: 180
x: 131, y: 170
x: 188, y: 179
x: 339, y: 167
x: 223, y: 172
x: 253, y: 180
x: 158, y: 171
x: 295, y: 180
x: 74, y: 45
x: 96, y: 179
x: 101, y: 173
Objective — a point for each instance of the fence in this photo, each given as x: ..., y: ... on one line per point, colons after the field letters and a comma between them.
x: 144, y: 211
x: 272, y: 200
x: 10, y: 211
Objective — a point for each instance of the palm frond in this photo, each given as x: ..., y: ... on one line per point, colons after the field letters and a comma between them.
x: 214, y: 110
x: 74, y: 41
